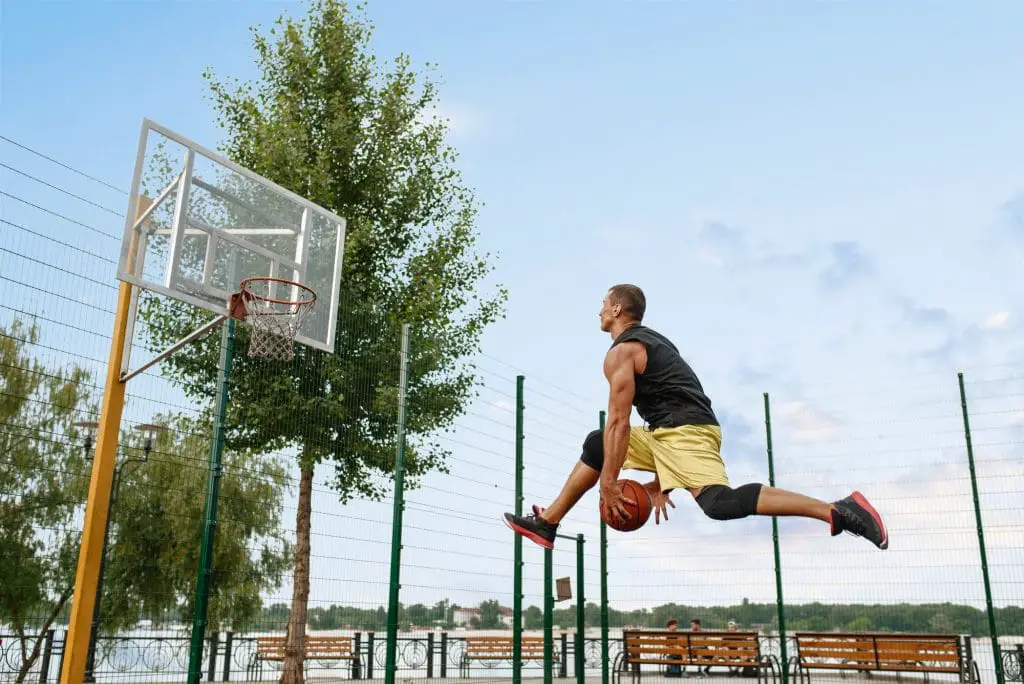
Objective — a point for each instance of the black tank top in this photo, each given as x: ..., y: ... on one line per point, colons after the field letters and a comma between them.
x: 668, y: 393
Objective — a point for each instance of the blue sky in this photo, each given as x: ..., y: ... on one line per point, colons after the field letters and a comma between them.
x: 684, y: 146
x: 821, y: 200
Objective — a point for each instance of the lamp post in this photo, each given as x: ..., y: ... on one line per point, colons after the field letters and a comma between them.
x: 90, y: 427
x: 149, y: 432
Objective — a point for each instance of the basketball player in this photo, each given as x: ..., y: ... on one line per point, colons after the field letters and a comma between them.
x: 680, y: 443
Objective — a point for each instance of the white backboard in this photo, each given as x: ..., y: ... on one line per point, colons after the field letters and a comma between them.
x: 205, y: 223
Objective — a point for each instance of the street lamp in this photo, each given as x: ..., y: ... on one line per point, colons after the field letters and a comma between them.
x: 90, y: 427
x: 149, y: 432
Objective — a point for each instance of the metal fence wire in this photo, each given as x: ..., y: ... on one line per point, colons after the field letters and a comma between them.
x: 423, y: 580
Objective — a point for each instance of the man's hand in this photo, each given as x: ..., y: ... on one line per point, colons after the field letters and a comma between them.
x: 658, y: 500
x: 615, y: 501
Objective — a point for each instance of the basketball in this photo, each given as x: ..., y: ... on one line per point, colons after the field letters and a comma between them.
x: 639, y: 511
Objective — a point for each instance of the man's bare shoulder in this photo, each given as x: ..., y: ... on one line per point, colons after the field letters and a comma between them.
x: 625, y: 354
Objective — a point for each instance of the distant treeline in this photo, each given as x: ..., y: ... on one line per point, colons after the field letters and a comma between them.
x: 901, y: 617
x: 898, y: 617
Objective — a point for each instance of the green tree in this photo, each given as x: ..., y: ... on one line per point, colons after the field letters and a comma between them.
x: 43, y: 481
x: 860, y: 624
x: 490, y: 615
x: 442, y: 613
x: 272, y: 618
x: 811, y: 623
x: 328, y: 121
x: 853, y: 617
x: 416, y: 615
x: 940, y: 622
x: 157, y: 524
x: 156, y: 520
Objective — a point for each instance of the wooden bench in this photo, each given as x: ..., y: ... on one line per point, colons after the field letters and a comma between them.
x: 883, y: 652
x: 494, y: 649
x: 319, y: 648
x: 702, y: 649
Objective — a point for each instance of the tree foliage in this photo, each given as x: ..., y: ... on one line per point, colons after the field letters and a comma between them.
x: 897, y: 617
x: 533, y: 617
x: 489, y: 616
x: 157, y: 527
x: 43, y: 480
x: 901, y: 617
x: 153, y: 549
x: 330, y: 122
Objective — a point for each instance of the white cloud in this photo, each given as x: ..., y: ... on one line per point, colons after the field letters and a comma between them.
x: 996, y: 320
x: 710, y: 257
x: 462, y: 120
x: 719, y: 244
x: 807, y: 423
x: 501, y: 406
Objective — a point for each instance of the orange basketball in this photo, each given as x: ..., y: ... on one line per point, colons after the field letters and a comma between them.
x: 639, y: 511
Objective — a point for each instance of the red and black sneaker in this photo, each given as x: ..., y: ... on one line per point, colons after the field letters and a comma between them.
x: 533, y: 527
x: 858, y: 517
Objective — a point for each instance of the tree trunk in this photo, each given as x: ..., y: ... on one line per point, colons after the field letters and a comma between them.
x: 294, y: 654
x: 29, y: 659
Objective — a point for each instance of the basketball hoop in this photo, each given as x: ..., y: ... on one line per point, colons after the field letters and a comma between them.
x: 276, y: 309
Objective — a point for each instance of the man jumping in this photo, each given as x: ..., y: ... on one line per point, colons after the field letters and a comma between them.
x: 680, y: 444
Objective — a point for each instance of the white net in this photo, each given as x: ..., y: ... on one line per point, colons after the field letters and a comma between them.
x: 276, y: 310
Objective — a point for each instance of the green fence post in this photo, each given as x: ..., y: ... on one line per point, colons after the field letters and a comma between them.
x: 398, y: 508
x: 195, y: 655
x: 581, y: 616
x: 780, y: 604
x: 549, y: 609
x: 605, y: 650
x: 992, y: 630
x: 517, y: 543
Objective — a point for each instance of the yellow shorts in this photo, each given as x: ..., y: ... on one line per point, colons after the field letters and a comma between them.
x: 684, y: 457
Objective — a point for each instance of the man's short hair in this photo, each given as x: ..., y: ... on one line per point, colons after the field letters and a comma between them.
x: 695, y: 621
x: 631, y: 299
x: 671, y: 622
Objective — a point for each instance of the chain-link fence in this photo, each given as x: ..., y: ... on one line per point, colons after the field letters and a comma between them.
x: 303, y: 538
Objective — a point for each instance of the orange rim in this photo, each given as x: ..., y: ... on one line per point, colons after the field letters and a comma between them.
x: 286, y: 302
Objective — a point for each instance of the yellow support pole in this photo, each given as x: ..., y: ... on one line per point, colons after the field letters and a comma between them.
x: 100, y: 484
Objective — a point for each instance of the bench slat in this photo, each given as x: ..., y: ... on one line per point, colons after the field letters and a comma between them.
x: 871, y: 666
x: 835, y: 652
x: 879, y: 652
x: 724, y: 652
x: 692, y: 661
x: 663, y: 647
x: 500, y: 648
x: 695, y: 652
x: 316, y: 647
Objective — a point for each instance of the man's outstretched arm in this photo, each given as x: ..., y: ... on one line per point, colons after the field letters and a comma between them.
x: 619, y: 367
